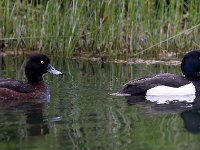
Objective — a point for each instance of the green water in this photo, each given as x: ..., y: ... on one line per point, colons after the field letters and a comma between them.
x: 82, y: 114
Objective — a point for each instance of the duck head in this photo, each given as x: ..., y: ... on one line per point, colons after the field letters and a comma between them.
x: 36, y: 66
x: 190, y: 65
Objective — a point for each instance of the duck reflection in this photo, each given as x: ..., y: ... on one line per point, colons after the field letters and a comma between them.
x: 37, y: 124
x: 191, y: 120
x: 23, y: 120
x: 189, y: 112
x: 2, y: 63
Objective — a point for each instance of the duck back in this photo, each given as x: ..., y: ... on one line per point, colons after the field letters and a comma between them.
x: 140, y: 86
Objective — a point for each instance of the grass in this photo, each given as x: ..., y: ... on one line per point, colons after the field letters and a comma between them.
x: 113, y: 28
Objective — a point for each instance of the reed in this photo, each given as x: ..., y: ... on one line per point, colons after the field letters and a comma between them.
x: 111, y: 28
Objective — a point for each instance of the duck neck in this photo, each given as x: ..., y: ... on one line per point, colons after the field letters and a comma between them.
x: 32, y: 76
x: 34, y: 79
x: 191, y: 74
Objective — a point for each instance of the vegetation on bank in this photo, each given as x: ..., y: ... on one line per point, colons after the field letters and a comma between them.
x: 101, y: 28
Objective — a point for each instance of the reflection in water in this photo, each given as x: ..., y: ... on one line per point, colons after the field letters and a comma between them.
x: 87, y: 117
x: 37, y: 125
x: 96, y: 120
x: 189, y: 112
x: 191, y: 120
x: 86, y: 68
x: 12, y: 121
x: 2, y: 63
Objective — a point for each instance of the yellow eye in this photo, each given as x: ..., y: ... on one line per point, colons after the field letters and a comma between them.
x: 41, y: 62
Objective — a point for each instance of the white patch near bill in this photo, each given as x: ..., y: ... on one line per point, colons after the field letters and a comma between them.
x: 188, y: 89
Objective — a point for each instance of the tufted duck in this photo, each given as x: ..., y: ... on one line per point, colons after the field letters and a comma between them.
x: 169, y: 84
x: 36, y: 88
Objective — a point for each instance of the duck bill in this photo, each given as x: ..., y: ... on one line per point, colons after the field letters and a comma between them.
x: 52, y: 70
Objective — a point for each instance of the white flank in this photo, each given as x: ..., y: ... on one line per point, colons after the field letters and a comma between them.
x: 172, y: 98
x: 162, y: 90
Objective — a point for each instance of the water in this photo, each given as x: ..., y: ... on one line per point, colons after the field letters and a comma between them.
x: 83, y: 115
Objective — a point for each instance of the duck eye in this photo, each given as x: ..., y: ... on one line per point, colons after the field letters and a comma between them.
x: 41, y: 62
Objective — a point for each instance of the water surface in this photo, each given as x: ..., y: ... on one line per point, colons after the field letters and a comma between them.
x: 82, y: 114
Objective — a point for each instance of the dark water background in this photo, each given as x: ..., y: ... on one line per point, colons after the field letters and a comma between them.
x: 82, y: 114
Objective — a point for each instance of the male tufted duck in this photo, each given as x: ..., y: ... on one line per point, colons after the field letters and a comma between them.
x: 169, y: 84
x: 36, y: 88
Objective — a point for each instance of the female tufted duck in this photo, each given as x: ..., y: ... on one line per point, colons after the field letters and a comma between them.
x: 36, y: 88
x: 169, y: 84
